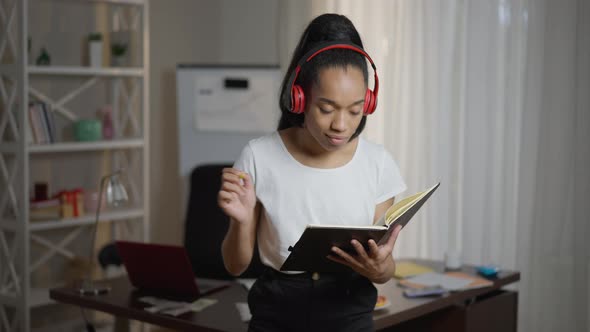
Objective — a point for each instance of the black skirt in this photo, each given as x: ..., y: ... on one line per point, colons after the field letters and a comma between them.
x: 311, y: 302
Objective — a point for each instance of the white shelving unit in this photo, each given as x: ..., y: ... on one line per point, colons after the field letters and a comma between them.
x: 128, y: 92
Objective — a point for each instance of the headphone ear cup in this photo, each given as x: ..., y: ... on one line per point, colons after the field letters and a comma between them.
x: 297, y: 100
x: 370, y: 103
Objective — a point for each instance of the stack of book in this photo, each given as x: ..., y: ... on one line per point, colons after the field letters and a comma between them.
x: 41, y: 124
x: 49, y: 209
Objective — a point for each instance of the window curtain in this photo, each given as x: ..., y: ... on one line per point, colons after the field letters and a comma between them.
x: 492, y: 98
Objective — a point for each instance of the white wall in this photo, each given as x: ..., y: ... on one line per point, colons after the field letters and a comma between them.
x: 195, y: 31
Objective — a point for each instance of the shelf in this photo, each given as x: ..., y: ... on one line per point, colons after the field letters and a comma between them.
x: 87, y: 219
x: 85, y: 71
x: 86, y: 146
x: 126, y: 88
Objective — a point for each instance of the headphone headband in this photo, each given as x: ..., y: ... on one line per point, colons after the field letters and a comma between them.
x: 297, y: 96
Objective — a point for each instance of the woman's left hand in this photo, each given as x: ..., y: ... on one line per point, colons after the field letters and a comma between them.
x: 377, y: 264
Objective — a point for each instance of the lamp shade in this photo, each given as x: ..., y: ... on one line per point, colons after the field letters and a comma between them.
x: 116, y: 194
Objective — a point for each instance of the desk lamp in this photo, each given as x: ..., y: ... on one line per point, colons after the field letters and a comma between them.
x: 116, y: 195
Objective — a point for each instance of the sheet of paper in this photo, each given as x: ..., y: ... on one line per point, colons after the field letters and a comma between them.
x: 439, y: 279
x: 175, y: 308
x: 244, y: 311
x: 410, y: 269
x: 159, y: 305
x: 246, y: 282
x: 202, y: 303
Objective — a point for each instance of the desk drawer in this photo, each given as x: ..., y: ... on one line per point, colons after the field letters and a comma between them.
x: 492, y: 312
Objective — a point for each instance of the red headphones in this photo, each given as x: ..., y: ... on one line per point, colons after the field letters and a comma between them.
x: 297, y: 95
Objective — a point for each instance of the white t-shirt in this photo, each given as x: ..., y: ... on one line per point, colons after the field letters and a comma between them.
x: 294, y: 195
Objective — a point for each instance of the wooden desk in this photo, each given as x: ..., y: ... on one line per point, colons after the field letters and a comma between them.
x: 122, y: 302
x: 483, y: 309
x: 479, y: 309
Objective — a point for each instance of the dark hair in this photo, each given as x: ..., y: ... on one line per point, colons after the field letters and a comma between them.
x: 324, y: 28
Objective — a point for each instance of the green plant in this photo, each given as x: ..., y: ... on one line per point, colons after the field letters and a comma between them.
x: 95, y: 36
x: 118, y: 49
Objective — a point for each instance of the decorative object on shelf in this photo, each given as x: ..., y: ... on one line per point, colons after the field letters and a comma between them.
x: 116, y: 195
x: 41, y: 191
x: 41, y: 207
x: 72, y: 203
x: 87, y: 130
x: 107, y: 122
x: 44, y: 59
x: 95, y: 49
x: 118, y: 52
x: 91, y: 201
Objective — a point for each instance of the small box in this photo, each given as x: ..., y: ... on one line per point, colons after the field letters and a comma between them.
x: 72, y: 203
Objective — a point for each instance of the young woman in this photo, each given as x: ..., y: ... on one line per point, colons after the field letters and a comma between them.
x: 315, y: 169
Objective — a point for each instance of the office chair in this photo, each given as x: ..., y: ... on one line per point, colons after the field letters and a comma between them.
x: 206, y: 225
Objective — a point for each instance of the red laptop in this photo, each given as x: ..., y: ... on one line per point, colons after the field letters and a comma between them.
x: 165, y: 269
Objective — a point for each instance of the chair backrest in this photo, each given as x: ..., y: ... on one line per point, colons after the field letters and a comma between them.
x: 206, y: 225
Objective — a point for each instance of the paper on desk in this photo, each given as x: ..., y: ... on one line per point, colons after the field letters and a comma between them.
x: 438, y: 279
x: 176, y: 311
x: 410, y: 269
x: 153, y: 300
x: 246, y: 282
x: 160, y: 305
x: 196, y: 306
x: 201, y: 304
x: 244, y: 311
x: 176, y: 308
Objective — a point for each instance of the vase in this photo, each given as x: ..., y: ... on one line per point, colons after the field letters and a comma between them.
x: 118, y: 61
x: 95, y: 53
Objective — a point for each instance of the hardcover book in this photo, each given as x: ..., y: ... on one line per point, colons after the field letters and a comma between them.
x: 311, y: 250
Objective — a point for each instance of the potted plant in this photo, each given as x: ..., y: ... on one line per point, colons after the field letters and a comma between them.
x: 95, y: 49
x: 118, y: 51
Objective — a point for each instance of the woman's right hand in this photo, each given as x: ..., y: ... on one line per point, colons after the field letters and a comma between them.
x: 236, y: 197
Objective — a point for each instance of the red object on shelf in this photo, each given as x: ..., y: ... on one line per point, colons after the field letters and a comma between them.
x: 78, y: 200
x: 72, y: 203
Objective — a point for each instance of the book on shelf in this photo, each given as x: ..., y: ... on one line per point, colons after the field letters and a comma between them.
x: 42, y: 123
x: 50, y: 122
x: 49, y: 209
x: 311, y: 250
x: 36, y: 124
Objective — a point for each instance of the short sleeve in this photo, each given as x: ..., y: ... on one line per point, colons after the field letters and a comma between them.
x: 391, y: 182
x: 245, y: 162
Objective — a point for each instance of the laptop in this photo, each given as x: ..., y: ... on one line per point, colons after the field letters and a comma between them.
x: 164, y: 269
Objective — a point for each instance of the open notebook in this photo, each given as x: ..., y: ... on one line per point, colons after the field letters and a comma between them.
x: 314, y: 245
